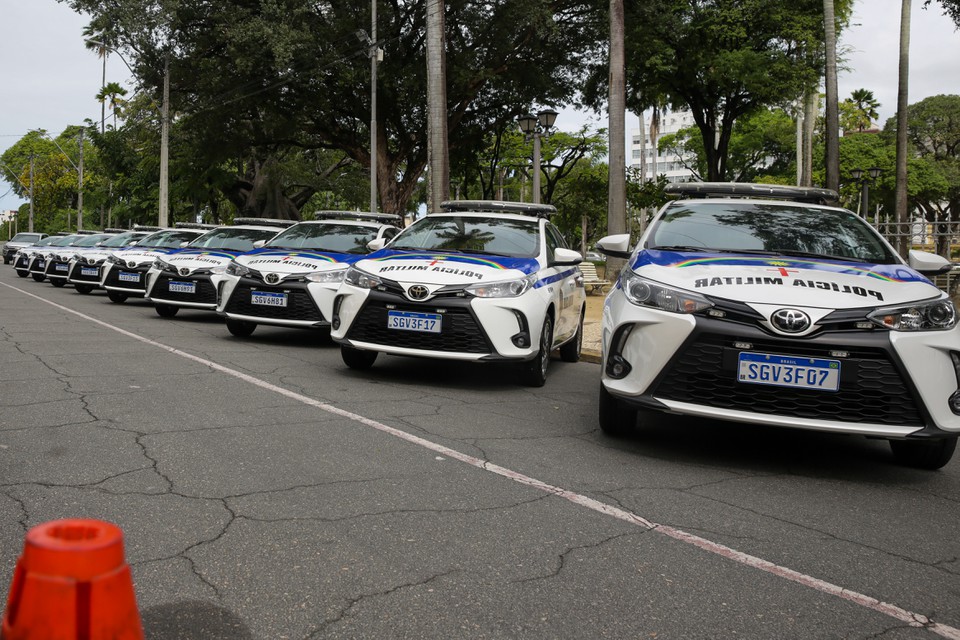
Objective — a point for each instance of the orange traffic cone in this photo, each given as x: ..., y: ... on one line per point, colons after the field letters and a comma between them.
x: 72, y: 583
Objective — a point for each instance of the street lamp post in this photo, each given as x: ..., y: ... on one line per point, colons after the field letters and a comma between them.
x: 865, y: 178
x: 536, y: 126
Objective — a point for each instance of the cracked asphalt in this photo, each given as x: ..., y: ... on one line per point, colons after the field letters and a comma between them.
x: 275, y: 506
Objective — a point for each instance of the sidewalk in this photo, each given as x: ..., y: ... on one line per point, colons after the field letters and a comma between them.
x: 591, y: 329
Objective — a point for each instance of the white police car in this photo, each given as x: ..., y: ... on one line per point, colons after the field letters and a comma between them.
x: 124, y: 272
x: 479, y: 281
x: 291, y: 281
x: 181, y: 279
x: 749, y: 308
x: 57, y: 259
x: 83, y: 269
x: 25, y: 255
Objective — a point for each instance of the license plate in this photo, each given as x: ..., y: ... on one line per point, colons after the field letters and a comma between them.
x: 41, y: 264
x: 182, y: 287
x: 410, y: 321
x: 89, y: 271
x: 268, y: 299
x: 60, y: 267
x: 789, y: 371
x: 126, y: 276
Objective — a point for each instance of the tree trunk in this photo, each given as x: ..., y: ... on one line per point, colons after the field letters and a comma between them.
x: 903, y: 231
x: 617, y: 189
x: 832, y: 113
x: 811, y: 109
x: 437, y: 106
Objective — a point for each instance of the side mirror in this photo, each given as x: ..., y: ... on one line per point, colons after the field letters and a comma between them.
x: 566, y: 256
x: 929, y: 264
x: 616, y: 246
x: 132, y: 243
x: 183, y: 244
x: 376, y: 245
x: 259, y: 244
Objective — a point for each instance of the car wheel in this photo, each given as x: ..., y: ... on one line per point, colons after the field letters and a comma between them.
x: 7, y: 261
x: 118, y: 297
x: 58, y: 282
x: 83, y: 288
x: 241, y: 328
x: 22, y: 274
x: 617, y: 419
x: 39, y: 277
x: 924, y: 454
x: 570, y: 352
x: 534, y: 372
x: 357, y: 358
x: 166, y: 310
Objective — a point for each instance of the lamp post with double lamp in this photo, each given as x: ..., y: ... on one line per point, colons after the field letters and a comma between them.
x: 865, y: 179
x: 536, y: 126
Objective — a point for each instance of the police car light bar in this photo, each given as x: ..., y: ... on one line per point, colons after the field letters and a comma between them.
x: 356, y: 215
x: 264, y: 222
x: 114, y: 230
x: 196, y: 225
x: 499, y: 206
x: 749, y: 190
x: 86, y: 232
x: 143, y: 227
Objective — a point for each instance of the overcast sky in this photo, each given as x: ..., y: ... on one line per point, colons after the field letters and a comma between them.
x: 50, y: 80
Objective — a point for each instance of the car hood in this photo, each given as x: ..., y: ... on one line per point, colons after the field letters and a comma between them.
x: 193, y: 259
x: 445, y: 268
x: 287, y: 261
x: 786, y: 280
x: 135, y: 256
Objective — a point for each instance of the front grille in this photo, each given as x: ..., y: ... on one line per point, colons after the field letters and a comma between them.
x: 113, y: 278
x: 76, y: 274
x: 300, y: 304
x: 871, y: 389
x: 205, y: 293
x: 55, y: 269
x: 459, y: 331
x: 21, y: 263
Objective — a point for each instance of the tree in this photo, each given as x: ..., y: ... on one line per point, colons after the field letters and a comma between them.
x: 860, y: 110
x: 831, y: 116
x: 950, y: 8
x: 903, y: 78
x: 113, y: 94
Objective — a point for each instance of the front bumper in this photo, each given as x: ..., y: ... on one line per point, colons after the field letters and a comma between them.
x: 83, y: 273
x: 123, y: 279
x: 168, y: 288
x: 891, y: 384
x: 300, y: 307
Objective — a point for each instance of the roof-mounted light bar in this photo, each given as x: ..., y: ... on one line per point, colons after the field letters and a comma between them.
x: 114, y: 230
x: 499, y: 206
x: 749, y: 190
x: 196, y: 225
x: 357, y: 215
x: 143, y: 227
x: 85, y: 232
x: 263, y: 222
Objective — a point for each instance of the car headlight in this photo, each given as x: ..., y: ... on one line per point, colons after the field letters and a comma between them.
x: 932, y: 315
x: 646, y: 293
x: 114, y: 260
x: 163, y: 265
x: 503, y: 289
x: 361, y: 279
x: 331, y: 276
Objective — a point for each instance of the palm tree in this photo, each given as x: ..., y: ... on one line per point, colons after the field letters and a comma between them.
x: 832, y: 112
x: 113, y: 93
x: 95, y: 41
x: 617, y: 185
x: 865, y: 106
x: 437, y: 106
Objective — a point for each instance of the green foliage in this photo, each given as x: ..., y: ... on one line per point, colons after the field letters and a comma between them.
x: 858, y: 111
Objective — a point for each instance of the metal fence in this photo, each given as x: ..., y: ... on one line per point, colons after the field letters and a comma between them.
x: 942, y: 238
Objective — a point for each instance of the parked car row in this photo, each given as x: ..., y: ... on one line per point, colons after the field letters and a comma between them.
x: 747, y: 303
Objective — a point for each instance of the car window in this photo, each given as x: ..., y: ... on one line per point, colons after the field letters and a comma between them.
x: 472, y: 234
x: 232, y: 238
x: 91, y: 240
x: 332, y: 237
x: 25, y: 237
x: 122, y: 239
x: 775, y: 228
x: 168, y: 239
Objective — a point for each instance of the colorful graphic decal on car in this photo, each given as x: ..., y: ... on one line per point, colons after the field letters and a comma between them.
x: 437, y: 261
x: 779, y: 266
x: 290, y: 259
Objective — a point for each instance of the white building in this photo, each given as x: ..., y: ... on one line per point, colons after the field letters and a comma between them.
x: 669, y: 165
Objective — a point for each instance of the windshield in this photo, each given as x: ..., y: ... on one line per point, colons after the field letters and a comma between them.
x: 332, y: 237
x: 232, y: 238
x: 25, y: 237
x: 64, y: 241
x: 91, y: 240
x: 775, y: 229
x: 122, y: 239
x: 168, y: 239
x: 472, y: 234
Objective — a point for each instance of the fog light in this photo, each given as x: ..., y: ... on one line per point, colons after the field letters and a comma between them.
x: 617, y: 367
x: 521, y: 340
x: 335, y: 323
x: 954, y: 402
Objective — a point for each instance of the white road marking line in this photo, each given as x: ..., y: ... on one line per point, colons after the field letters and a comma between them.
x: 891, y: 610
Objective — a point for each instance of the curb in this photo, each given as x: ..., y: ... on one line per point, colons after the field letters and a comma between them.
x: 590, y: 356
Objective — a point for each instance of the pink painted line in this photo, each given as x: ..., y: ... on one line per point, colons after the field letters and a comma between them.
x: 865, y: 601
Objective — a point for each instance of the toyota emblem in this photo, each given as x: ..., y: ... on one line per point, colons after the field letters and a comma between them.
x: 91, y: 261
x: 271, y: 278
x: 131, y: 263
x: 790, y: 320
x: 418, y: 292
x: 184, y: 271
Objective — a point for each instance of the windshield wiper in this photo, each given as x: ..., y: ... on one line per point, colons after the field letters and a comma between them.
x: 822, y: 256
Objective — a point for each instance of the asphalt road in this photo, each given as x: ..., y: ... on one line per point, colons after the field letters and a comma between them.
x: 266, y: 491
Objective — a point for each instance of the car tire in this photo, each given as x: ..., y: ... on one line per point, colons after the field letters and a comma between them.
x: 534, y: 372
x: 39, y: 277
x: 7, y: 261
x: 58, y: 282
x: 83, y: 288
x: 22, y: 274
x: 241, y: 328
x: 570, y: 351
x: 166, y: 310
x: 360, y: 359
x: 617, y: 419
x: 924, y: 454
x: 117, y: 296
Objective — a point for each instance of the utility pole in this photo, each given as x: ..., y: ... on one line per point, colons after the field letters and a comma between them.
x: 31, y: 195
x: 374, y: 55
x: 165, y: 143
x: 80, y: 184
x: 437, y: 106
